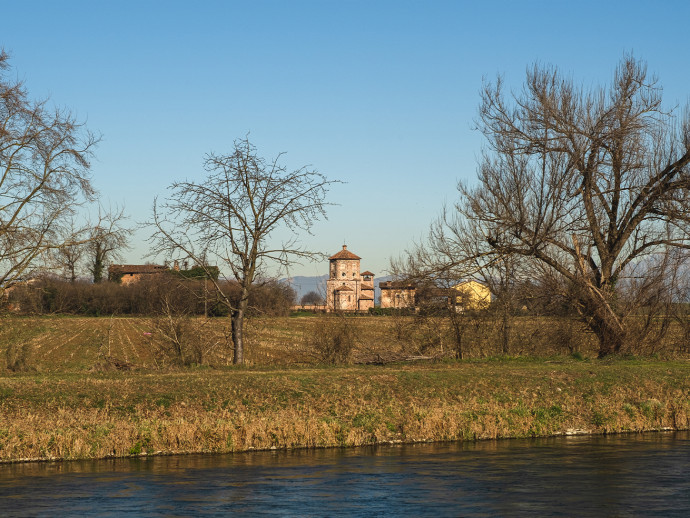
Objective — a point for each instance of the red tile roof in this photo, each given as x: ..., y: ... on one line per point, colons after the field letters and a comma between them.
x: 397, y: 285
x: 344, y: 254
x: 367, y: 273
x: 137, y: 268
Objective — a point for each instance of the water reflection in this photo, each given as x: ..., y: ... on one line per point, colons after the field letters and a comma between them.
x: 602, y: 476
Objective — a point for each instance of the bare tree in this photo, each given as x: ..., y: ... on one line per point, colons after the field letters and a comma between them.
x: 44, y: 164
x: 588, y: 185
x: 68, y: 258
x: 102, y: 242
x: 231, y: 216
x: 107, y: 240
x: 312, y: 298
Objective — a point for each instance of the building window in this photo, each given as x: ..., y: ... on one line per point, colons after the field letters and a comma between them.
x: 343, y: 274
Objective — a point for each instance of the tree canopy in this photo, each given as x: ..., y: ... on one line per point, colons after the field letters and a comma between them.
x: 44, y: 177
x: 231, y: 217
x: 587, y: 185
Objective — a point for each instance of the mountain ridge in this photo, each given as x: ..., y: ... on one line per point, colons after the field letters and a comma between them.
x: 304, y: 284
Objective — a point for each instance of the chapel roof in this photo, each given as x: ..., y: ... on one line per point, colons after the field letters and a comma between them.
x: 344, y: 254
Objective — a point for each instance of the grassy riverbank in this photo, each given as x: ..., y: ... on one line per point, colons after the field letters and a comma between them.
x: 100, y: 414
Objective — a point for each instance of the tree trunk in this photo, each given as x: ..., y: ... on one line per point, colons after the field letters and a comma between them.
x: 97, y: 273
x: 458, y: 329
x: 237, y: 323
x: 98, y: 264
x: 608, y: 329
x: 459, y: 355
x: 505, y: 330
x: 611, y: 337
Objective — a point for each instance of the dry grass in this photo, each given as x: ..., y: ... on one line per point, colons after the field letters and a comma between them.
x: 73, y: 402
x: 93, y: 415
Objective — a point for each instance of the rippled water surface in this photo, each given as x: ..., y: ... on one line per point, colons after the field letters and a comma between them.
x: 631, y: 475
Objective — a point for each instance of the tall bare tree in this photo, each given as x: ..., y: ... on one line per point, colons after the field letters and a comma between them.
x: 231, y: 217
x: 108, y: 239
x: 44, y: 164
x: 591, y: 185
x: 68, y: 258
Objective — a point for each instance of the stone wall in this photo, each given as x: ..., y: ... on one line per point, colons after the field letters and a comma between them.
x: 397, y: 296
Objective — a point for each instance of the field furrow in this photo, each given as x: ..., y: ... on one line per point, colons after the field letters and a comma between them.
x: 81, y: 343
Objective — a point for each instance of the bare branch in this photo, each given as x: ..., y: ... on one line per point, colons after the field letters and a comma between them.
x: 44, y: 163
x: 232, y: 214
x: 588, y: 184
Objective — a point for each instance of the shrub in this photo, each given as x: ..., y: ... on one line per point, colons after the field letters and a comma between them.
x: 18, y: 356
x: 51, y: 295
x: 333, y: 338
x: 179, y: 340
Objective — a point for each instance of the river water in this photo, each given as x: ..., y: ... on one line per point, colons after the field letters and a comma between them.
x: 628, y: 475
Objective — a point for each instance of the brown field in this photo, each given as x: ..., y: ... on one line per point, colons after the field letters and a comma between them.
x: 69, y: 344
x: 60, y: 344
x: 96, y: 387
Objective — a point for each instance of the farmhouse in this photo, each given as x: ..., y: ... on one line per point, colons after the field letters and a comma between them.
x: 466, y: 295
x: 346, y: 288
x: 127, y: 274
x: 397, y: 294
x: 472, y: 296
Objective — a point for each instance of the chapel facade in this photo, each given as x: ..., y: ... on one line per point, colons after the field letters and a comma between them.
x: 348, y: 289
x: 398, y: 294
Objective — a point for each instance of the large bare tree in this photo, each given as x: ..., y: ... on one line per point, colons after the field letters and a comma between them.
x: 44, y: 165
x: 68, y: 258
x: 108, y: 239
x: 231, y: 217
x: 102, y: 241
x: 590, y: 185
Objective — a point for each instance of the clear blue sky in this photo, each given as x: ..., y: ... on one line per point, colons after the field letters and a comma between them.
x: 381, y: 95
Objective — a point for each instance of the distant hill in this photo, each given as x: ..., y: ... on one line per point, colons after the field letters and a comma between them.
x: 303, y: 285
